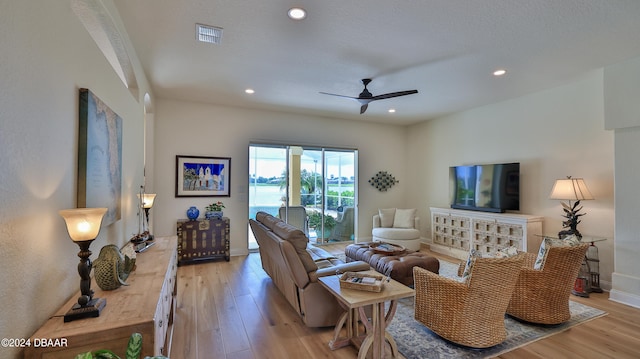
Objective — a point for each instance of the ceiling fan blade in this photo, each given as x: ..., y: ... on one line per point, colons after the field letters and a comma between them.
x: 393, y: 94
x: 365, y: 97
x: 333, y: 94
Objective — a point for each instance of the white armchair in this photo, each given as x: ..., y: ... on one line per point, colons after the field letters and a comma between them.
x: 397, y: 226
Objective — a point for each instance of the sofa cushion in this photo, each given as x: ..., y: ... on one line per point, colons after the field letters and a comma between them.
x: 299, y: 241
x: 404, y: 218
x: 386, y: 217
x: 395, y: 233
x: 267, y: 219
x: 318, y: 253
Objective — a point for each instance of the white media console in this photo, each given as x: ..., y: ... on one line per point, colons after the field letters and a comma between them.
x: 454, y: 231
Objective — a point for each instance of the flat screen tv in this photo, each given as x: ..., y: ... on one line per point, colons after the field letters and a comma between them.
x: 489, y: 188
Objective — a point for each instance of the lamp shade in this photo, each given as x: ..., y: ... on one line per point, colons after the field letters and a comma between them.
x: 83, y: 224
x: 572, y: 189
x: 147, y: 199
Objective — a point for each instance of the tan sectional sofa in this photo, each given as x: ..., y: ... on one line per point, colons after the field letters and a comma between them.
x: 295, y: 266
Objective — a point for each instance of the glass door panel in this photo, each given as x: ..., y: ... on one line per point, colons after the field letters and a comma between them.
x: 310, y: 188
x: 340, y: 193
x: 267, y: 182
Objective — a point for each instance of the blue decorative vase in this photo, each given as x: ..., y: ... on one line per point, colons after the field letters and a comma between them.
x: 193, y: 213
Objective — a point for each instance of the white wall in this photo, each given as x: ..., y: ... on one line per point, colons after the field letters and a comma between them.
x: 47, y: 55
x: 552, y: 133
x: 184, y: 128
x: 622, y: 109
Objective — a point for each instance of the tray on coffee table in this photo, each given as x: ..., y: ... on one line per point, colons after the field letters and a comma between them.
x: 386, y: 248
x: 362, y: 281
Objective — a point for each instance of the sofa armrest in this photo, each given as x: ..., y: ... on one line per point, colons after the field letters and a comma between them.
x: 416, y: 222
x: 376, y: 221
x: 340, y: 268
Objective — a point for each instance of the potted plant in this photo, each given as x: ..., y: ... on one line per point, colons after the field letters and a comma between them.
x: 133, y: 351
x: 315, y: 221
x: 214, y: 210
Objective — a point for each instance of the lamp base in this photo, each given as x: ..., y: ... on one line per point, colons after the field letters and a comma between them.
x: 91, y: 310
x: 143, y: 246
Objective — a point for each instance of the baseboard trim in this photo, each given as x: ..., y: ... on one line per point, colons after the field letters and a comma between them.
x: 624, y: 298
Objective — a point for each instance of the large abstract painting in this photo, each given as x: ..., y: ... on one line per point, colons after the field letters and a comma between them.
x: 99, y: 157
x: 202, y: 176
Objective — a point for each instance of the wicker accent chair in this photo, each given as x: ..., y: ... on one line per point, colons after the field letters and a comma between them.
x: 542, y: 296
x: 343, y: 231
x: 469, y: 314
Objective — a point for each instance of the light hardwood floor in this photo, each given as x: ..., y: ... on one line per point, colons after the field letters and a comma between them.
x: 232, y: 310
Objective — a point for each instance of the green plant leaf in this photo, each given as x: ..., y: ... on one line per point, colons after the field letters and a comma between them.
x: 105, y: 354
x: 86, y: 355
x: 135, y: 346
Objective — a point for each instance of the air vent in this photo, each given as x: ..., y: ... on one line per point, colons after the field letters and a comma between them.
x: 209, y: 34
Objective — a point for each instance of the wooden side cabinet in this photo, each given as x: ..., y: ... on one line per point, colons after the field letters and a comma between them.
x: 202, y: 239
x: 145, y: 306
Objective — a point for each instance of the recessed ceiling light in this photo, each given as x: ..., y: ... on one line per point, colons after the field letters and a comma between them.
x: 249, y: 91
x: 499, y: 72
x: 297, y: 13
x: 392, y: 110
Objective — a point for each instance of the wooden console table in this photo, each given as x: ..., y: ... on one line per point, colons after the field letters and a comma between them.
x: 202, y: 239
x: 353, y: 301
x: 145, y: 306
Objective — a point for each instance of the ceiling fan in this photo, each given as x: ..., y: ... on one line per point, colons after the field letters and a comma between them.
x: 366, y: 97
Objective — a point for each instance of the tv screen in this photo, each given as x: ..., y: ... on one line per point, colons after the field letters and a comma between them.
x: 492, y: 188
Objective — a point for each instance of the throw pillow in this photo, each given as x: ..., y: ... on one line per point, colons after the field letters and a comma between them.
x: 386, y: 217
x: 404, y: 218
x: 471, y: 259
x: 547, y: 243
x: 506, y: 252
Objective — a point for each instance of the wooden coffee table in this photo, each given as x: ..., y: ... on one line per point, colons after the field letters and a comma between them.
x: 354, y: 301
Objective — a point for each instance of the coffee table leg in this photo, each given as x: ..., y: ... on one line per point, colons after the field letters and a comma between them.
x: 390, y: 313
x: 348, y: 320
x: 377, y: 335
x: 368, y: 326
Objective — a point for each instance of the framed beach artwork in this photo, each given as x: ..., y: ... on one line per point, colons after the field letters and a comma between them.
x: 99, y: 157
x: 198, y: 176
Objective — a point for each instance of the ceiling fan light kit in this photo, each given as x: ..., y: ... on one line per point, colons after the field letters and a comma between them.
x: 366, y: 97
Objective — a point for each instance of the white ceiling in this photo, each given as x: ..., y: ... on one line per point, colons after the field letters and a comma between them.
x: 446, y: 49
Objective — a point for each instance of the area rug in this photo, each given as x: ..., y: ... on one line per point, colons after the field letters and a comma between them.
x: 415, y: 341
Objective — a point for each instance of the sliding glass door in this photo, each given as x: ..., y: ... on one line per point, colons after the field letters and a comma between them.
x: 311, y: 188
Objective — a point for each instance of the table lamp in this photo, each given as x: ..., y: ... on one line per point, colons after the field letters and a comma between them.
x: 83, y: 226
x: 571, y: 189
x: 147, y: 203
